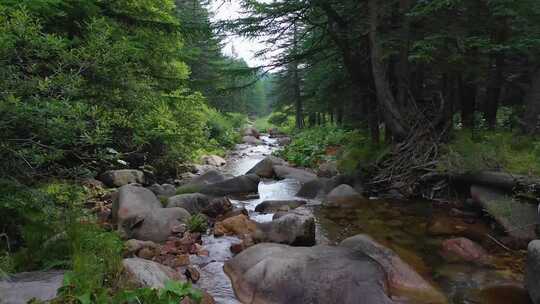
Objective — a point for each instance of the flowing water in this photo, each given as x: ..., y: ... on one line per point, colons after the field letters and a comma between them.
x: 413, y: 229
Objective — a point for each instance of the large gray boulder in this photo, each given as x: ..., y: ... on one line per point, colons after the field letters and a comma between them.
x: 237, y: 185
x: 517, y: 218
x: 157, y: 225
x: 132, y: 202
x: 23, y: 287
x: 322, y: 186
x: 140, y: 215
x: 119, y: 178
x: 207, y: 178
x: 294, y: 228
x: 328, y: 169
x: 401, y: 278
x: 251, y: 140
x: 251, y: 131
x: 265, y: 168
x: 301, y: 175
x: 343, y: 196
x: 280, y: 274
x: 278, y: 205
x: 193, y: 202
x: 141, y: 273
x: 532, y: 271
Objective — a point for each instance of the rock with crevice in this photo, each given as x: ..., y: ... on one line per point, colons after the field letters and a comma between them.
x: 250, y: 131
x: 265, y: 168
x: 193, y: 202
x: 140, y: 215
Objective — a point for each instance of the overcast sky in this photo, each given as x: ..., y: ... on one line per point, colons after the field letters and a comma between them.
x: 245, y: 48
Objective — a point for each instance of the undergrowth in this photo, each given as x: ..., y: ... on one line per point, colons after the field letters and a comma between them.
x: 350, y: 149
x: 488, y: 150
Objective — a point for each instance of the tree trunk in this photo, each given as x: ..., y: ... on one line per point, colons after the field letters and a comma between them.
x: 373, y: 120
x: 403, y: 68
x: 392, y: 113
x: 494, y: 90
x: 296, y: 84
x: 468, y: 103
x: 532, y: 104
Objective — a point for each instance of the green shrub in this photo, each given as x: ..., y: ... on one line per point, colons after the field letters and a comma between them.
x: 173, y: 292
x: 308, y: 147
x: 488, y: 150
x: 197, y: 223
x: 35, y: 219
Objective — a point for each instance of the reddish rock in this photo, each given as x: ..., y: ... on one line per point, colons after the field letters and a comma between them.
x: 181, y: 261
x: 463, y: 249
x: 239, y: 225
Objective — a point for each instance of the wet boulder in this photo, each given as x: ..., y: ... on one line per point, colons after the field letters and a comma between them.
x: 532, y: 271
x: 237, y: 185
x: 295, y: 228
x: 165, y: 190
x: 517, y: 218
x: 301, y: 175
x: 23, y: 287
x: 401, y: 278
x: 140, y: 273
x: 281, y: 274
x: 278, y: 205
x: 213, y: 160
x: 265, y: 168
x: 119, y: 178
x: 218, y: 207
x: 463, y: 249
x: 343, y: 196
x: 322, y: 186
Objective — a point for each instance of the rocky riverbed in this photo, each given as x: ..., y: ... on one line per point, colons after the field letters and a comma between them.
x: 280, y: 234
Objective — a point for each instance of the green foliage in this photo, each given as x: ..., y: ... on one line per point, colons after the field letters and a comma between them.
x: 222, y: 129
x: 96, y: 258
x: 107, y: 75
x: 308, y: 147
x: 173, y: 292
x: 197, y: 223
x: 486, y: 150
x: 36, y: 220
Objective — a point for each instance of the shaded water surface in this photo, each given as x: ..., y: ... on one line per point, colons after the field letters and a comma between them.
x: 413, y: 229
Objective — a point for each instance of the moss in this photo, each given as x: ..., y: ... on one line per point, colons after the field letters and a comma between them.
x: 187, y: 189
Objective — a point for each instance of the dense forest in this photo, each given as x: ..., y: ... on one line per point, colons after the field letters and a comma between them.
x: 126, y: 126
